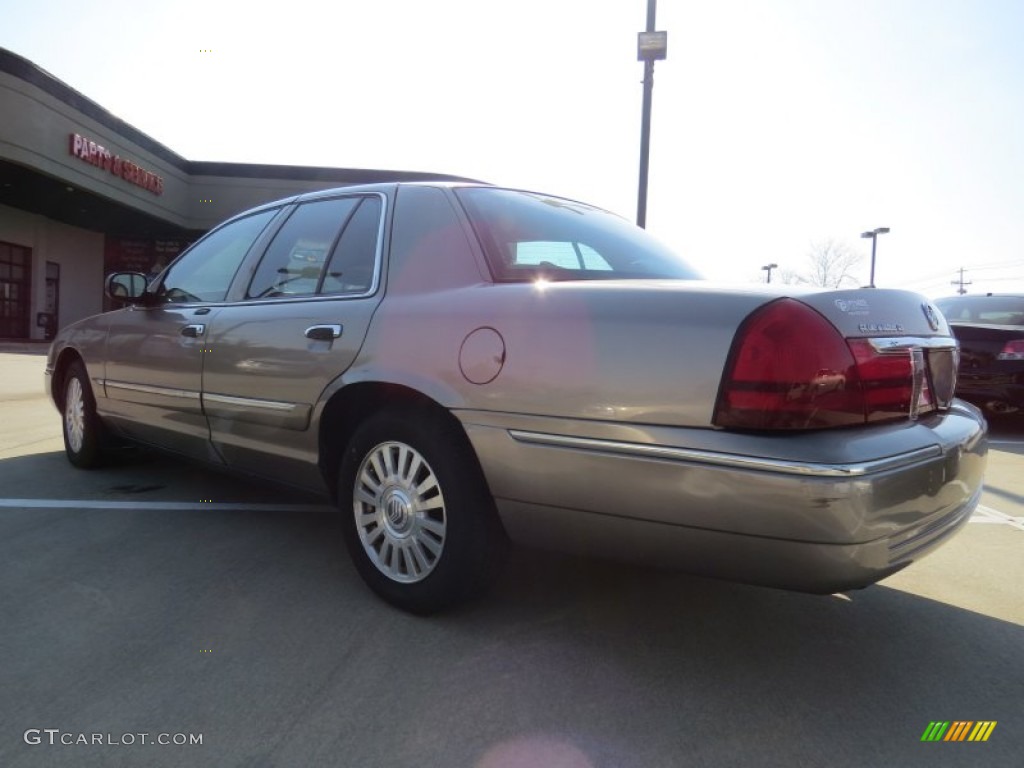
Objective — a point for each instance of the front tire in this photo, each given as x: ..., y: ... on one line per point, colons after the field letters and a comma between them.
x: 419, y: 521
x: 83, y: 431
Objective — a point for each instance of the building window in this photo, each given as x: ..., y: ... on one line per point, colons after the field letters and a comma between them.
x: 15, y: 290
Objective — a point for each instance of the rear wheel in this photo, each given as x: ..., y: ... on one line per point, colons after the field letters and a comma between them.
x: 1000, y: 408
x: 83, y: 431
x: 419, y: 523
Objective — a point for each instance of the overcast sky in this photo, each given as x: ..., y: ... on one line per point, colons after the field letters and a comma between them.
x: 776, y: 123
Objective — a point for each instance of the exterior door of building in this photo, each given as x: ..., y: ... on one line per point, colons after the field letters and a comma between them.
x: 15, y: 290
x: 51, y: 311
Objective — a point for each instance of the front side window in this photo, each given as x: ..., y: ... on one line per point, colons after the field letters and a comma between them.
x: 526, y: 236
x: 205, y: 271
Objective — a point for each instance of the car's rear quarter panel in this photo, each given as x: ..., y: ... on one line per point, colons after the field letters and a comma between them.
x: 604, y: 351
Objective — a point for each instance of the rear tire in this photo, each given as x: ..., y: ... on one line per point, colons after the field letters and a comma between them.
x: 1000, y: 408
x: 82, y: 428
x: 418, y: 518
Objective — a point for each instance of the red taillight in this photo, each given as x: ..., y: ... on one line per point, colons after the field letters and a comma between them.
x: 1013, y: 350
x: 790, y: 368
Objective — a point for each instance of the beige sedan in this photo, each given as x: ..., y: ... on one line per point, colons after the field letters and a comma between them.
x: 459, y: 365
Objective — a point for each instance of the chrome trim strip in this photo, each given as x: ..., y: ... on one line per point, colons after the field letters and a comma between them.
x: 919, y: 380
x: 640, y: 450
x: 298, y: 297
x: 901, y: 343
x: 185, y: 394
x: 276, y: 300
x: 248, y: 402
x: 143, y: 506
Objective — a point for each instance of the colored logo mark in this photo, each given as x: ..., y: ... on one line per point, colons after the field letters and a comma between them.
x: 958, y: 730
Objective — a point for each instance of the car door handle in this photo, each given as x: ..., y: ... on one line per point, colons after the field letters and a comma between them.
x: 323, y: 332
x: 193, y: 331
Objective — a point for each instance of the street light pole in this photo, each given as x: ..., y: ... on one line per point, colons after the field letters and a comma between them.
x: 768, y: 268
x: 651, y: 45
x: 873, y: 234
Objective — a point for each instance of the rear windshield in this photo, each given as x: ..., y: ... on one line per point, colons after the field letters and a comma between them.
x: 526, y: 236
x: 984, y: 310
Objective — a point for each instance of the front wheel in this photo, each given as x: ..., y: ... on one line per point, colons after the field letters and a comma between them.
x: 420, y: 523
x: 83, y: 431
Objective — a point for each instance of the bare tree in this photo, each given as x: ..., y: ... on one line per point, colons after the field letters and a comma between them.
x: 791, y: 277
x: 832, y: 263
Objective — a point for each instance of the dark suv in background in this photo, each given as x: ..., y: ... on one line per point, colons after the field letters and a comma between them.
x: 990, y: 329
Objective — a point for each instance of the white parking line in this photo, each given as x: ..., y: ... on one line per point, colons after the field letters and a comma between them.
x: 983, y: 514
x: 1006, y: 442
x: 176, y: 506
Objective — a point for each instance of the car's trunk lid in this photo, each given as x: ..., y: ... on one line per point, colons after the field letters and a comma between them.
x: 878, y: 312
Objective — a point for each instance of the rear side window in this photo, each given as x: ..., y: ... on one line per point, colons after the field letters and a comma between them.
x: 350, y: 267
x: 295, y: 259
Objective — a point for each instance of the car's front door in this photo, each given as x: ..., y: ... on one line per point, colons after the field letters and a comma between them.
x: 298, y: 325
x: 156, y: 351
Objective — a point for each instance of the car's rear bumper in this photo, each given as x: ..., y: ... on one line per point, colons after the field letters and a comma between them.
x: 797, y: 565
x: 801, y: 524
x: 1003, y: 384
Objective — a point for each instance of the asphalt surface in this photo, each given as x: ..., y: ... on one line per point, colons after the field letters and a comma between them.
x: 156, y: 598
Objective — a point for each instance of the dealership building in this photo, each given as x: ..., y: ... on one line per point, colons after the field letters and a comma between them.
x: 82, y: 194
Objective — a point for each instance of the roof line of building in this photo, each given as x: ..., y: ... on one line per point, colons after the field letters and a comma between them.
x: 28, y: 71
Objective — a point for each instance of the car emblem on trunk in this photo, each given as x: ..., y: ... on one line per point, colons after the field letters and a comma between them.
x: 852, y: 306
x: 930, y: 316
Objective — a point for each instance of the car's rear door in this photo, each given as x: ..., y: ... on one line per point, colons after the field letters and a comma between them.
x: 294, y: 327
x: 155, y: 352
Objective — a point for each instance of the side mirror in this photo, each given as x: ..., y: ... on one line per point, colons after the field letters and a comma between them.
x: 125, y: 286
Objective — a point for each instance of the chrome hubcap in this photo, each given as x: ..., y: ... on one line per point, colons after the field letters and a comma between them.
x: 74, y: 415
x: 399, y: 512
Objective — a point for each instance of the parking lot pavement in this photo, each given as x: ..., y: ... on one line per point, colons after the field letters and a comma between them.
x: 27, y: 422
x: 983, y: 568
x: 131, y: 607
